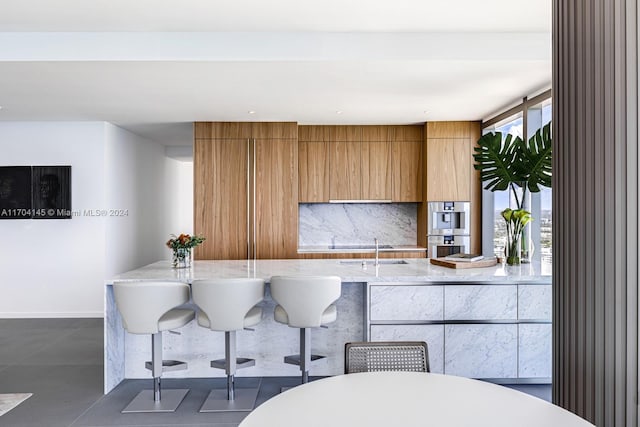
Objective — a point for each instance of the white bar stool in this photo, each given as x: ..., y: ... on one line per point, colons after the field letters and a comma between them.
x: 150, y: 308
x: 305, y: 302
x: 229, y: 305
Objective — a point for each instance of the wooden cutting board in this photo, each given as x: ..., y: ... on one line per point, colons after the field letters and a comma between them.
x: 487, y: 262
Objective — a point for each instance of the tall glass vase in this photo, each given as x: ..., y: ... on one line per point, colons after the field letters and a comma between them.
x: 182, y: 258
x: 513, y: 249
x: 526, y: 243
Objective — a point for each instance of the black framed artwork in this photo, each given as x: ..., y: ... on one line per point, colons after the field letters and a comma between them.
x: 15, y: 192
x: 51, y: 192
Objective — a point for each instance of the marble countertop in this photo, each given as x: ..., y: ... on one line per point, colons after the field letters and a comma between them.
x: 415, y: 270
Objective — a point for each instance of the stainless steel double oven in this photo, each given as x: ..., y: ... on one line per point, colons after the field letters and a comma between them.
x: 448, y: 228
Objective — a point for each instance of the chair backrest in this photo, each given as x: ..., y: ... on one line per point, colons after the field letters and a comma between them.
x: 227, y: 301
x: 305, y: 298
x: 142, y: 304
x: 386, y: 356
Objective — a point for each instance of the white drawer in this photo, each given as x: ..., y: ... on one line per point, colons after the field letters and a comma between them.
x: 534, y: 302
x: 406, y: 302
x: 480, y: 302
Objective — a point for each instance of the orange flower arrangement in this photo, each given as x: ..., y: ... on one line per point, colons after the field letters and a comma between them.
x: 181, y: 246
x: 184, y: 241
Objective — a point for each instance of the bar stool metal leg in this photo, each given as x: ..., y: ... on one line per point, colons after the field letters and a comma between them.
x: 304, y: 359
x: 305, y: 353
x: 242, y: 399
x: 155, y: 400
x: 231, y: 365
x: 156, y: 364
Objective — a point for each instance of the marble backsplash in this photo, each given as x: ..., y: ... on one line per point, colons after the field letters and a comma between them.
x: 357, y: 224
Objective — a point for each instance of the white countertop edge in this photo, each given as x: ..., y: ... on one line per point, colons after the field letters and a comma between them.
x: 416, y: 270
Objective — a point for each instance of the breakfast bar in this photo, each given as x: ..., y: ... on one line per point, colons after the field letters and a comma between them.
x: 492, y: 323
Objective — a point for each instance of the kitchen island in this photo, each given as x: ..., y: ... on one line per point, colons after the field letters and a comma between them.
x: 492, y: 323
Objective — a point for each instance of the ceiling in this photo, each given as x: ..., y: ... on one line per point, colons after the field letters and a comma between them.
x: 153, y: 67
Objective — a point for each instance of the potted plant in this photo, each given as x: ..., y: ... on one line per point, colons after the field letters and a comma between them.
x: 181, y: 246
x: 510, y: 163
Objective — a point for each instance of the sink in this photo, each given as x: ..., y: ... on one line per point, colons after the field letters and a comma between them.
x: 372, y: 262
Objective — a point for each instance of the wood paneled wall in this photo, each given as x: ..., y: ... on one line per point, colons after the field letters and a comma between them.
x: 395, y: 168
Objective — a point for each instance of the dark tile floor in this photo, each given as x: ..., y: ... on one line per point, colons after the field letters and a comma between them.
x: 60, y: 362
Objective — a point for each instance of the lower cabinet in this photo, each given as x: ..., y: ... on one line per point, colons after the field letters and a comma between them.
x: 481, y: 351
x: 534, y: 350
x: 493, y: 331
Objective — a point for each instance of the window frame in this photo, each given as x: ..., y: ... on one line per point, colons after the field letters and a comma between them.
x: 488, y: 199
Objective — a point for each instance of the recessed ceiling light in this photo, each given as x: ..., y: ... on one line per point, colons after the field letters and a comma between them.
x: 339, y: 112
x: 251, y: 112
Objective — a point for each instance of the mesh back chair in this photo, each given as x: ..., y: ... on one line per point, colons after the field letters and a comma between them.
x: 386, y: 356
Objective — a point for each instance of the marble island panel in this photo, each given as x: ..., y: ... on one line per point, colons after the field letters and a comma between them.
x: 125, y: 353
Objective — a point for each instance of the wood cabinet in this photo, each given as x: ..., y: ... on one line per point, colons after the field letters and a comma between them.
x: 449, y: 174
x: 313, y: 163
x: 360, y: 163
x: 245, y: 190
x: 375, y: 170
x: 375, y: 167
x: 407, y: 154
x: 449, y: 167
x: 276, y: 235
x: 407, y: 171
x: 313, y: 171
x: 220, y: 201
x: 449, y: 161
x: 345, y: 179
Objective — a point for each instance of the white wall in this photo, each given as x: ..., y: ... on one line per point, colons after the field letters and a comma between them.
x: 50, y: 267
x: 145, y: 192
x: 57, y: 268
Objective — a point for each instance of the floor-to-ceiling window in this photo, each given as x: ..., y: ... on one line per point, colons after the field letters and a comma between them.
x: 522, y: 120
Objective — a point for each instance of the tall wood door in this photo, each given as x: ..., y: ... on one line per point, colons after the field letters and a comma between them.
x: 246, y: 190
x: 276, y: 192
x: 449, y: 169
x: 220, y: 197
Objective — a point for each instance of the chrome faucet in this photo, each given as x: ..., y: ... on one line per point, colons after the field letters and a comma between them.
x: 375, y: 240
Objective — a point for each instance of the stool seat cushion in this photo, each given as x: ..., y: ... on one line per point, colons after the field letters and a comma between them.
x: 328, y: 316
x: 176, y: 318
x: 252, y: 318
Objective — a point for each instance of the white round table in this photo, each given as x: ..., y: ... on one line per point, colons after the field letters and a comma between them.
x: 406, y: 399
